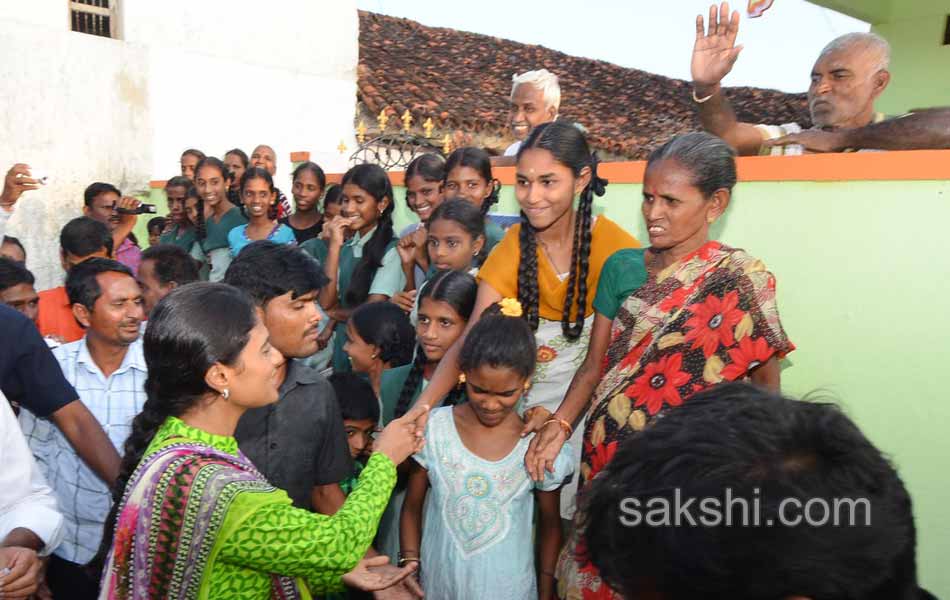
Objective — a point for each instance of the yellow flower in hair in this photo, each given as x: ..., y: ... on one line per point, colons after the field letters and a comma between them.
x: 510, y: 307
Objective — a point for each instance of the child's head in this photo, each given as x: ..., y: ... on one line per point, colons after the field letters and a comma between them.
x: 155, y: 227
x: 424, y: 185
x: 360, y: 410
x: 195, y: 211
x: 498, y: 360
x: 378, y: 336
x: 309, y: 183
x: 456, y: 236
x: 258, y: 194
x: 189, y: 159
x: 176, y: 189
x: 445, y: 306
x: 468, y: 175
x: 333, y: 202
x: 236, y: 161
x: 213, y: 180
x: 555, y: 165
x: 367, y: 196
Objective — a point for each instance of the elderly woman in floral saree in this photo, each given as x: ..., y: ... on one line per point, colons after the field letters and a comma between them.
x: 706, y: 313
x: 193, y: 518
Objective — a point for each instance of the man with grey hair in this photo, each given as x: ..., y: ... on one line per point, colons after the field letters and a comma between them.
x: 535, y: 99
x: 849, y: 75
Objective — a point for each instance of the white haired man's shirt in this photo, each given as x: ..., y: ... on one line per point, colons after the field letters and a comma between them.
x: 84, y: 499
x: 26, y: 501
x: 773, y: 132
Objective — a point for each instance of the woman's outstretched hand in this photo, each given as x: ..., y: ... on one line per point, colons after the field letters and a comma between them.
x: 543, y: 449
x: 374, y: 574
x: 404, y: 436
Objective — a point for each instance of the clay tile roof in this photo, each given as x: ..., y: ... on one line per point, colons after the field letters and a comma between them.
x: 462, y: 81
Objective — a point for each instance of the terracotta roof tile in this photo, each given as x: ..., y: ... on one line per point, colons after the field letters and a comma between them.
x: 462, y: 81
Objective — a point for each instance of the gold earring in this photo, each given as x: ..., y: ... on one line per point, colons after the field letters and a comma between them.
x: 461, y: 378
x: 527, y: 386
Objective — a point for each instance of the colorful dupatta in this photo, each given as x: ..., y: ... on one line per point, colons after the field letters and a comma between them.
x: 711, y: 317
x: 169, y: 519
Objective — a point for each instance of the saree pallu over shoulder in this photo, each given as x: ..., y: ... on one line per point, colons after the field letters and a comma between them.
x: 711, y: 317
x: 169, y: 520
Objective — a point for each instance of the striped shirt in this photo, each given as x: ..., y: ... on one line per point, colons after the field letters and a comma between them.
x: 83, y: 498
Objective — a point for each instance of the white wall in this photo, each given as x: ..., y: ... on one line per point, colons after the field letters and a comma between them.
x: 211, y: 75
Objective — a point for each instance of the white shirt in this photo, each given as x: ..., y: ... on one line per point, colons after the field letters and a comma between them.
x: 512, y: 150
x: 4, y: 217
x: 84, y: 499
x: 26, y: 501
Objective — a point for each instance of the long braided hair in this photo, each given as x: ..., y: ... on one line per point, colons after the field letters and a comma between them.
x: 458, y: 290
x: 190, y: 330
x: 566, y: 142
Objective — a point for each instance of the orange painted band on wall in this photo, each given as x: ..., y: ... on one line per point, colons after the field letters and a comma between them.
x: 913, y: 165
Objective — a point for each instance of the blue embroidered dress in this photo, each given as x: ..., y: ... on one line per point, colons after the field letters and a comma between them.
x: 477, y: 537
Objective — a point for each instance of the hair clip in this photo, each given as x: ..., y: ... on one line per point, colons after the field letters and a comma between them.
x: 510, y: 307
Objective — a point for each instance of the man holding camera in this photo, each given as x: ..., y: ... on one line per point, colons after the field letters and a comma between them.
x: 104, y: 203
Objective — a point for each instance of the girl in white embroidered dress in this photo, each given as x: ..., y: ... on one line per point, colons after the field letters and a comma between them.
x: 477, y: 538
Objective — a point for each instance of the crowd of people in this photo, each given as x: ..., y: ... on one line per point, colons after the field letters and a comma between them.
x: 276, y: 399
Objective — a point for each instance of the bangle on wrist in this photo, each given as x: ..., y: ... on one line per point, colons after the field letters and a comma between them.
x: 565, y: 426
x: 704, y: 99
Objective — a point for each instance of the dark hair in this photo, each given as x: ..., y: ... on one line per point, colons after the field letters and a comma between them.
x: 193, y: 152
x: 201, y: 229
x: 499, y: 341
x: 737, y: 441
x: 477, y: 159
x: 156, y: 223
x: 334, y: 195
x: 569, y: 147
x: 191, y: 329
x: 9, y: 239
x: 469, y: 218
x: 172, y: 264
x: 84, y: 235
x: 240, y: 154
x: 82, y: 285
x: 459, y: 291
x: 355, y: 396
x: 178, y: 181
x: 374, y: 181
x: 214, y: 161
x: 314, y: 169
x: 261, y: 173
x: 429, y: 166
x: 13, y: 273
x: 711, y: 161
x: 94, y: 190
x: 386, y: 326
x: 265, y: 270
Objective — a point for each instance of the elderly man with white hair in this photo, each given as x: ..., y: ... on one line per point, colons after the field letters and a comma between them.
x: 849, y: 75
x: 535, y: 98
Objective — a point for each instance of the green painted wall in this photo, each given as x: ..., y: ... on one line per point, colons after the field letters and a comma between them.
x: 920, y: 62
x: 862, y: 270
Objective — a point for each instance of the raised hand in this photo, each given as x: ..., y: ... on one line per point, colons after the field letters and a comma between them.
x: 407, y: 249
x: 18, y: 180
x: 715, y: 50
x: 336, y: 230
x: 405, y: 300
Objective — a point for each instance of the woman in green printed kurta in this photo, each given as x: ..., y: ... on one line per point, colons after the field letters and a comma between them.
x: 365, y: 268
x: 192, y: 517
